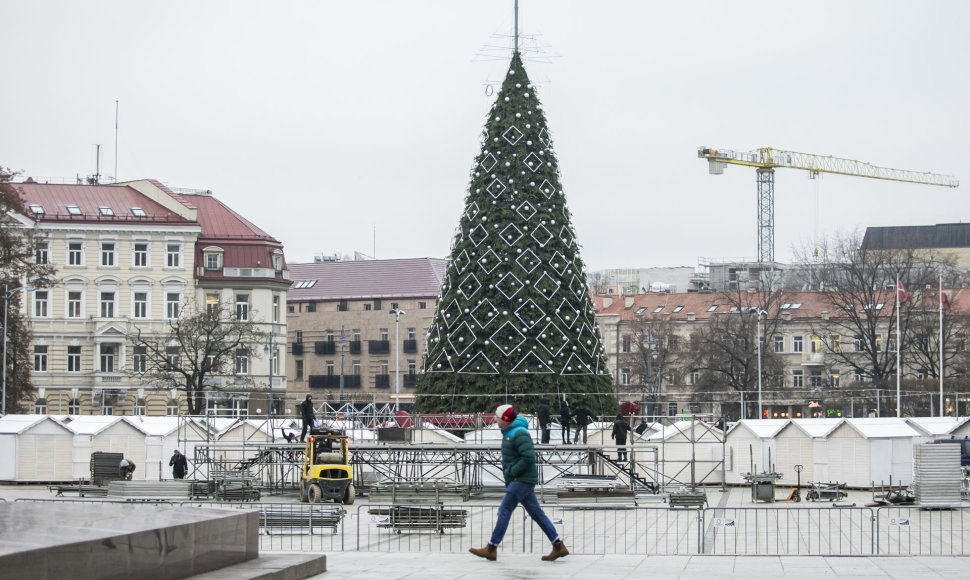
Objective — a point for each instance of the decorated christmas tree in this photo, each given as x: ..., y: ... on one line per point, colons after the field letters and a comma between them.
x: 515, y: 321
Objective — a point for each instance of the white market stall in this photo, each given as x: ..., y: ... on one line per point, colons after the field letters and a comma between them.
x: 802, y: 442
x: 165, y: 435
x: 866, y: 450
x: 35, y: 448
x: 750, y: 448
x: 108, y: 434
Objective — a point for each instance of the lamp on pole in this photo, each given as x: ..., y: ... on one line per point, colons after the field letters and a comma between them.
x: 7, y: 293
x: 269, y: 351
x: 397, y: 312
x: 343, y: 343
x: 761, y: 414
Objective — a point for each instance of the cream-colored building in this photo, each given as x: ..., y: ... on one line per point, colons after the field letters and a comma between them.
x: 380, y: 356
x: 130, y: 257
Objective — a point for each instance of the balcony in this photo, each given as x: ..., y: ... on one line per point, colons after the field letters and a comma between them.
x: 411, y: 380
x: 379, y: 347
x: 410, y: 346
x: 297, y: 348
x: 332, y: 382
x: 325, y: 347
x: 813, y: 359
x: 354, y: 347
x: 382, y: 381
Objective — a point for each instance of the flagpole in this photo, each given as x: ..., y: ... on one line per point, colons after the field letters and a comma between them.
x: 899, y: 348
x: 942, y: 413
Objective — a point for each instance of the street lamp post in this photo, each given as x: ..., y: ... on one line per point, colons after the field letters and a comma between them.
x: 269, y: 351
x: 761, y: 414
x: 397, y: 312
x: 7, y: 293
x: 343, y: 343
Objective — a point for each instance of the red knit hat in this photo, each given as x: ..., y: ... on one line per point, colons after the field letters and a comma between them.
x: 505, y: 413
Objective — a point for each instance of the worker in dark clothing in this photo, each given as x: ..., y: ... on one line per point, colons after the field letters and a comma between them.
x: 564, y: 417
x: 583, y: 417
x: 309, y: 418
x: 545, y: 419
x: 620, y: 429
x: 126, y: 468
x: 179, y: 465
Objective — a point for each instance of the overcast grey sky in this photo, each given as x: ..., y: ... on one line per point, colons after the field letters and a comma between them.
x: 342, y: 126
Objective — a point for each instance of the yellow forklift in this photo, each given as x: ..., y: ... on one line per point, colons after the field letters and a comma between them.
x: 326, y: 471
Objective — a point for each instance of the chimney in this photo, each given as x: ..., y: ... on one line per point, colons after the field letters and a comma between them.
x: 628, y: 302
x: 825, y: 314
x: 607, y: 302
x: 786, y: 315
x: 691, y: 317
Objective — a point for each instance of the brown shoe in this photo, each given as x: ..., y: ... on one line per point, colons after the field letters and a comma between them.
x: 488, y: 552
x: 558, y: 551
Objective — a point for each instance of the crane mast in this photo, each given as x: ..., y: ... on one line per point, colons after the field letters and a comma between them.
x: 766, y: 159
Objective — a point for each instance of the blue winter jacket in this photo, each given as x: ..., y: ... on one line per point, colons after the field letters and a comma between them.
x: 518, y: 453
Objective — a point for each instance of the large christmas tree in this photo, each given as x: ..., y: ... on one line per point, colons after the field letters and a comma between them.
x: 515, y: 321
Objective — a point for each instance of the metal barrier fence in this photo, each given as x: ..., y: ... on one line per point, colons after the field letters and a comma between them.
x: 598, y: 529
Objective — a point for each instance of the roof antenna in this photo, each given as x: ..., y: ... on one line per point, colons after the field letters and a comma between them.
x: 516, y: 26
x: 116, y: 140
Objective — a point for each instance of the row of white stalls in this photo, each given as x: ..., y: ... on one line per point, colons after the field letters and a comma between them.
x: 58, y: 448
x: 859, y: 452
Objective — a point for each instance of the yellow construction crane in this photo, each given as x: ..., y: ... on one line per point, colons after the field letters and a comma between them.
x: 767, y: 159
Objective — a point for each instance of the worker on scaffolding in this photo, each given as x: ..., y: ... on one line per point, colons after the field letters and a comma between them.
x: 308, y: 416
x: 179, y: 465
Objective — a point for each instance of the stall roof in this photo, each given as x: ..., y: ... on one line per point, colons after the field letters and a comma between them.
x: 817, y: 428
x: 882, y: 427
x: 764, y: 428
x: 937, y: 426
x: 94, y: 424
x: 16, y: 424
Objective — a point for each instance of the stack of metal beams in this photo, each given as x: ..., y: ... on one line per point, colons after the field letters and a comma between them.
x: 937, y: 471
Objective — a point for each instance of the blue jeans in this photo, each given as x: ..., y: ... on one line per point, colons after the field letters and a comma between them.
x: 525, y: 494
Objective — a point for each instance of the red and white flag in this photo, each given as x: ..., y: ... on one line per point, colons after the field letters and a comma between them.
x: 901, y: 295
x: 943, y: 299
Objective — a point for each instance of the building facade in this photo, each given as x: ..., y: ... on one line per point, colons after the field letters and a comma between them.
x: 132, y: 257
x: 362, y: 324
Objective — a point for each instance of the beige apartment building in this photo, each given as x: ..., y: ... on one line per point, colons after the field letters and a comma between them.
x: 362, y: 324
x: 131, y: 257
x: 814, y: 377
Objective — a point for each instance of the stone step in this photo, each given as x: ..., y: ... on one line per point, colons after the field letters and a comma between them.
x: 278, y: 566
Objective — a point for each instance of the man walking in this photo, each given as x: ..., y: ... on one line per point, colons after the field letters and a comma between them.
x: 620, y: 430
x: 544, y: 419
x: 582, y: 415
x: 521, y: 477
x: 179, y: 465
x: 309, y: 418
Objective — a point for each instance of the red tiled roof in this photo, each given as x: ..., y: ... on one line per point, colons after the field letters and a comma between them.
x: 413, y: 277
x: 55, y: 198
x: 811, y: 304
x: 218, y: 220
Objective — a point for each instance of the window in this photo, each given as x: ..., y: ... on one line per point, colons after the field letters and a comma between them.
x: 922, y: 374
x: 171, y: 357
x: 836, y: 381
x: 105, y: 210
x: 40, y: 303
x: 382, y: 365
x: 815, y: 379
x: 275, y: 361
x: 137, y: 212
x: 382, y: 334
x: 74, y: 407
x: 41, y: 255
x: 878, y: 342
x: 40, y: 358
x: 290, y: 308
x: 173, y: 255
x: 625, y: 376
x: 139, y: 359
x: 779, y: 343
x: 678, y: 308
x: 816, y: 344
x: 330, y: 368
x: 412, y: 334
x: 857, y: 343
x: 74, y: 359
x: 40, y: 406
x: 367, y: 306
x: 107, y: 253
x: 36, y: 209
x: 355, y: 335
x: 835, y: 343
x: 213, y: 261
x: 75, y: 254
x: 242, y: 306
x: 311, y: 307
x: 140, y: 309
x: 140, y: 258
x: 242, y: 362
x: 74, y: 305
x: 694, y: 377
x: 422, y: 305
x: 658, y: 309
x: 712, y: 308
x: 211, y: 302
x: 796, y: 379
x: 923, y: 342
x: 276, y: 308
x: 412, y: 367
x: 640, y: 311
x: 139, y: 408
x: 73, y: 210
x: 329, y: 335
x: 107, y: 304
x: 625, y: 347
x: 299, y: 370
x: 355, y: 368
x: 299, y: 337
x: 277, y: 262
x: 173, y: 308
x: 107, y: 409
x: 107, y: 358
x: 172, y: 408
x: 796, y: 344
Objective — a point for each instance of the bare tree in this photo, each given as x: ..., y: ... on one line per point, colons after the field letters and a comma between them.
x: 859, y: 288
x: 722, y: 356
x: 654, y: 346
x: 195, y: 349
x: 21, y: 261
